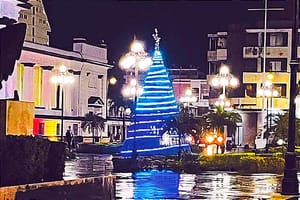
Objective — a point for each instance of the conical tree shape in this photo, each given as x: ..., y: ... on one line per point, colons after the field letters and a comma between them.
x: 156, y: 105
x: 149, y: 132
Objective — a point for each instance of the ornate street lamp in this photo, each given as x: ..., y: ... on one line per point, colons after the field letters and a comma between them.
x: 134, y: 61
x: 268, y: 92
x: 124, y: 113
x: 61, y: 76
x: 222, y: 80
x: 188, y: 99
x: 290, y: 184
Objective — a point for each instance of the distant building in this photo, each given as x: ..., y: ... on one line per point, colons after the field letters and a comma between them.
x: 241, y: 48
x: 32, y: 79
x: 191, y: 78
x: 38, y: 27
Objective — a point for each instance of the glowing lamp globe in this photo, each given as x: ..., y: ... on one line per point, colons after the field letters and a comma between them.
x: 215, y: 82
x: 224, y: 70
x: 126, y: 62
x: 137, y: 46
x: 275, y: 93
x: 234, y: 82
x: 113, y: 80
x: 188, y: 92
x: 62, y: 69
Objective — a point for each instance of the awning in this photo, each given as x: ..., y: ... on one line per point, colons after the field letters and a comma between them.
x: 95, y: 102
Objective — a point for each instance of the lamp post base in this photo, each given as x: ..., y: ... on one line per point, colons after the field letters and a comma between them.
x: 290, y: 180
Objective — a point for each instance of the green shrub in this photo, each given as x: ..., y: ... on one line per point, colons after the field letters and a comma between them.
x: 244, y: 162
x: 26, y: 160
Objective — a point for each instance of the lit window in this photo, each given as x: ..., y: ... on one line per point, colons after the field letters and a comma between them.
x: 276, y: 39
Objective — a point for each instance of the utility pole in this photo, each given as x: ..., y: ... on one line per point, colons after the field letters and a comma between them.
x: 290, y: 180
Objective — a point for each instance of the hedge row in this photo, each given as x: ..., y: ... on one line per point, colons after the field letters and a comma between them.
x: 243, y: 162
x: 26, y: 159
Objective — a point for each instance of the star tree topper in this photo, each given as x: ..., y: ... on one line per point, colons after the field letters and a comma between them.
x: 157, y: 39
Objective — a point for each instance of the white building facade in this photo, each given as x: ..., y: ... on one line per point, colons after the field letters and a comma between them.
x: 88, y: 93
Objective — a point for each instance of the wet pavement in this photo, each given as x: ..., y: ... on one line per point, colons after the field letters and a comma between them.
x: 166, y: 184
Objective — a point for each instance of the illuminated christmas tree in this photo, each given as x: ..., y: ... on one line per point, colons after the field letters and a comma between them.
x: 156, y: 108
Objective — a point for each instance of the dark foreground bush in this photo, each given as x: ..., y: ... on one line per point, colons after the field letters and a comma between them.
x: 243, y: 162
x: 28, y: 160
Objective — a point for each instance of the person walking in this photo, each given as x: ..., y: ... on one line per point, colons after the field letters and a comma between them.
x: 69, y: 137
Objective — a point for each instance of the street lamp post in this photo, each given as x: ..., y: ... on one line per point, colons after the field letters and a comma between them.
x: 268, y: 92
x: 290, y: 180
x: 186, y: 100
x: 137, y: 60
x: 124, y: 112
x: 61, y: 76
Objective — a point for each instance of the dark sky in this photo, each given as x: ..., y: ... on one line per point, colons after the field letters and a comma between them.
x: 182, y: 25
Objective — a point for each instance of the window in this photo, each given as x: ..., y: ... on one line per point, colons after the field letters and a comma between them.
x: 33, y: 32
x: 195, y: 93
x: 281, y: 88
x: 92, y: 81
x: 212, y: 66
x: 212, y: 44
x: 40, y: 21
x: 25, y: 16
x: 33, y: 10
x: 21, y: 15
x: 33, y: 21
x: 250, y: 90
x: 276, y: 65
x: 37, y: 85
x: 44, y: 21
x: 277, y: 39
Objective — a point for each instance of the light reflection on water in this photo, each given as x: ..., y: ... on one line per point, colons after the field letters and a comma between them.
x: 166, y: 184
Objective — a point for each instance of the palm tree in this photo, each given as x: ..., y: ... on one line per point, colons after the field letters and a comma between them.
x: 280, y: 127
x: 219, y: 118
x: 190, y: 125
x: 93, y: 122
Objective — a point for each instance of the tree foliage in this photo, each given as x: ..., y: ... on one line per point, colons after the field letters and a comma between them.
x: 220, y: 118
x: 196, y: 127
x: 93, y: 122
x: 280, y: 127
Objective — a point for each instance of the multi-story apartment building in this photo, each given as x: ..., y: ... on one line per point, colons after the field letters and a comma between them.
x: 242, y: 48
x: 37, y: 23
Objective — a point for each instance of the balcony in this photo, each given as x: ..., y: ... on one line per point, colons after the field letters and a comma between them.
x: 272, y: 52
x: 257, y: 77
x: 257, y: 103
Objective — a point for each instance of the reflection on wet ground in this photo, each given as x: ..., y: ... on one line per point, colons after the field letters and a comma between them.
x: 166, y: 184
x: 88, y: 165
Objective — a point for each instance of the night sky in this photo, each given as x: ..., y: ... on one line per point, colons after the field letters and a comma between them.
x: 183, y: 25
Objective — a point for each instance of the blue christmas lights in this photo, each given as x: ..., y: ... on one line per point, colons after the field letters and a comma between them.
x: 149, y: 133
